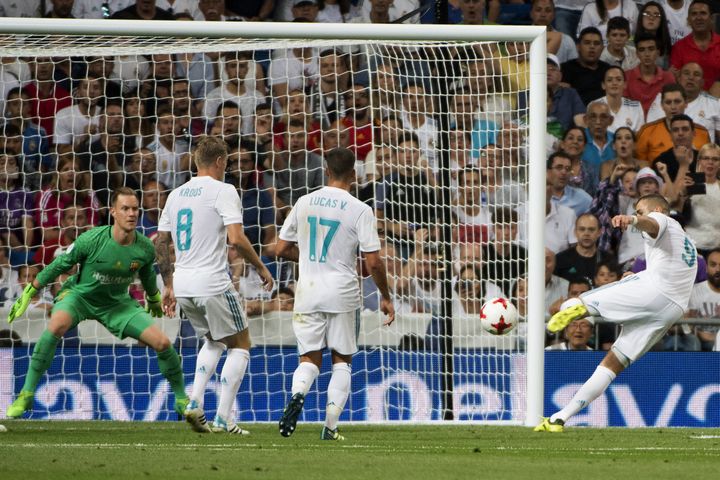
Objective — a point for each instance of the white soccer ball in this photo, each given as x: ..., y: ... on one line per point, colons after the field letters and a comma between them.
x: 498, y: 316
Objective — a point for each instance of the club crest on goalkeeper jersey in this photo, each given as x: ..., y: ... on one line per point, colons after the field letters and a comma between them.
x: 196, y: 215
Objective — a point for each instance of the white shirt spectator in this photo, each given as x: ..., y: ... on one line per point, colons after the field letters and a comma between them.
x: 247, y: 103
x: 129, y: 71
x: 71, y: 123
x: 18, y: 8
x: 677, y: 20
x: 169, y: 161
x: 704, y: 223
x: 631, y: 243
x: 181, y: 6
x: 706, y: 302
x: 704, y: 110
x: 397, y: 10
x: 285, y: 67
x: 555, y: 289
x: 330, y: 14
x: 427, y: 136
x: 591, y: 18
x: 567, y: 50
x: 15, y: 68
x: 628, y: 61
x: 7, y: 82
x: 559, y: 227
x: 630, y: 115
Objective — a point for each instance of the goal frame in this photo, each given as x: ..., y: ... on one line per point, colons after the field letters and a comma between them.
x: 535, y: 35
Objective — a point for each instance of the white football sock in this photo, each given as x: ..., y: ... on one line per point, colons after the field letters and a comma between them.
x: 337, y: 394
x: 231, y: 377
x: 207, y: 360
x: 593, y: 388
x: 304, y: 376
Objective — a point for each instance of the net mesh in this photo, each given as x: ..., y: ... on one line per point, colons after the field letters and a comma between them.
x: 86, y: 114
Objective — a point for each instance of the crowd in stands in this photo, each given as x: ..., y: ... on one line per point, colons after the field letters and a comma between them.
x: 632, y: 109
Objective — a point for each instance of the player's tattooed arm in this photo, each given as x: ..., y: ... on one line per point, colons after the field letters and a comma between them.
x: 163, y: 244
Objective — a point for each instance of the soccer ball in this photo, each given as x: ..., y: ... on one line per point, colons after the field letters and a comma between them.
x: 498, y: 316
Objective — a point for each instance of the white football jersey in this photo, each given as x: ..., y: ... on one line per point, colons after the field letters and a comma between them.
x: 671, y: 260
x: 630, y: 115
x: 328, y: 226
x: 705, y: 300
x: 196, y: 215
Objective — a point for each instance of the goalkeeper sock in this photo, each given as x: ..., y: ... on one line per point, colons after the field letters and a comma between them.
x: 337, y: 394
x: 303, y: 377
x: 593, y: 388
x: 230, y: 379
x: 169, y: 363
x: 41, y: 359
x: 207, y: 360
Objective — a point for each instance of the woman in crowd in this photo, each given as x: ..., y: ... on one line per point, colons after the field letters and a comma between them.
x: 652, y: 20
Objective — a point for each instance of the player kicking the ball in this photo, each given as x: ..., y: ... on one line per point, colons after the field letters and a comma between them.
x: 323, y: 232
x: 646, y: 304
x: 109, y: 258
x: 199, y: 218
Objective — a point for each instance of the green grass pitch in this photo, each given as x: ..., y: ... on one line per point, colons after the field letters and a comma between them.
x: 135, y: 450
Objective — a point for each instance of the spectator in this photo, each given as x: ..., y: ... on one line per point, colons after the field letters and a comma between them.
x: 500, y: 262
x: 143, y: 10
x: 234, y: 90
x: 701, y: 46
x: 9, y: 284
x: 293, y: 172
x: 585, y: 73
x: 675, y: 15
x: 70, y: 185
x: 417, y: 118
x: 703, y: 222
x: 105, y: 156
x: 560, y: 44
x: 555, y: 287
x: 582, y: 260
x: 46, y: 96
x: 625, y: 112
x: 485, y: 84
x: 567, y: 15
x: 77, y: 125
x: 653, y: 21
x: 180, y: 7
x: 172, y: 152
x: 559, y: 224
x: 618, y: 52
x: 576, y: 287
x: 599, y: 13
x: 685, y: 139
x: 656, y: 137
x: 471, y: 292
x: 404, y: 197
x: 702, y: 107
x: 292, y: 69
x: 559, y: 169
x: 211, y: 11
x: 705, y: 301
x: 327, y: 97
x: 358, y: 111
x: 472, y: 214
x: 576, y: 336
x: 379, y: 12
x: 28, y: 9
x: 305, y: 10
x: 600, y: 149
x: 154, y: 196
x: 42, y: 302
x: 35, y: 145
x: 566, y: 103
x: 647, y: 79
x: 474, y: 11
x: 281, y: 300
x: 73, y: 223
x: 16, y: 207
x: 227, y: 123
x: 250, y: 11
x: 137, y: 128
x: 419, y: 279
x: 615, y: 196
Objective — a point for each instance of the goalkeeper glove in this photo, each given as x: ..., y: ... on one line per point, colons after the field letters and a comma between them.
x: 153, y: 304
x: 21, y: 304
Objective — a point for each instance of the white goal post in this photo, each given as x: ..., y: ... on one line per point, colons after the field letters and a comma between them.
x: 22, y: 37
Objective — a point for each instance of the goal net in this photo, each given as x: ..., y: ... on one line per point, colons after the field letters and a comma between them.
x: 440, y: 130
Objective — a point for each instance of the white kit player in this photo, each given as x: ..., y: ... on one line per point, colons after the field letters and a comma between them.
x: 646, y: 304
x: 323, y: 233
x: 199, y: 219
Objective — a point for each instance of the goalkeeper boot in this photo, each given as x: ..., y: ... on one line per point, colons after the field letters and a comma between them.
x: 328, y: 434
x: 564, y: 317
x: 558, y: 426
x: 289, y: 418
x: 222, y: 426
x: 195, y: 416
x: 180, y: 405
x: 22, y: 404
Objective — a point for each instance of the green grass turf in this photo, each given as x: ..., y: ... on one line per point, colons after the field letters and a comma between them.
x: 129, y: 451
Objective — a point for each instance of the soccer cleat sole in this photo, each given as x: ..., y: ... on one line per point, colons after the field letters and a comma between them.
x: 547, y: 426
x: 564, y: 317
x: 289, y: 418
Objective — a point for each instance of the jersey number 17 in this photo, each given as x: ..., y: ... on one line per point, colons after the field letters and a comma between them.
x: 332, y: 228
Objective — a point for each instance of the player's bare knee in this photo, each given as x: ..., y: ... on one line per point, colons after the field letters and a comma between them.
x: 161, y: 344
x: 60, y: 324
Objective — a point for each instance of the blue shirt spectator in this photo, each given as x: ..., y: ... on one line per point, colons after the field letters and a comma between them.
x: 575, y: 198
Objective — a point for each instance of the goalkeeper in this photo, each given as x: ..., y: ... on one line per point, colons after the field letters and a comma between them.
x: 109, y: 258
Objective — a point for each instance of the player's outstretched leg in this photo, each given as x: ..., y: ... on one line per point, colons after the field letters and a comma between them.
x: 41, y: 359
x: 338, y: 391
x: 564, y: 317
x: 303, y: 378
x: 230, y: 378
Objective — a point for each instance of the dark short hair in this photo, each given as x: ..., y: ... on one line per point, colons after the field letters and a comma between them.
x: 632, y: 133
x: 224, y: 105
x: 655, y: 199
x: 504, y: 215
x: 644, y: 37
x: 618, y: 23
x: 340, y: 162
x: 672, y: 87
x: 119, y: 192
x: 614, y: 67
x: 554, y: 155
x: 589, y: 31
x: 408, y: 136
x: 681, y: 117
x: 703, y: 2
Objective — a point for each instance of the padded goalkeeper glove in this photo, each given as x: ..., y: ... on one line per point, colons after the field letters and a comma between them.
x: 21, y: 304
x: 153, y: 304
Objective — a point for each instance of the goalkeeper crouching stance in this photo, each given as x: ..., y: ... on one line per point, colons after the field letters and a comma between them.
x: 109, y: 257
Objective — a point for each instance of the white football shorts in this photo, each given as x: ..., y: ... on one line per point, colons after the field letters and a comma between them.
x: 635, y: 303
x: 220, y: 315
x: 336, y: 331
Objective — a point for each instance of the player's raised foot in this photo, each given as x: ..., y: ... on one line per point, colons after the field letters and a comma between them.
x: 289, y: 418
x: 558, y: 426
x: 22, y: 404
x: 220, y: 425
x: 563, y: 318
x: 180, y: 405
x: 195, y: 416
x: 328, y: 434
